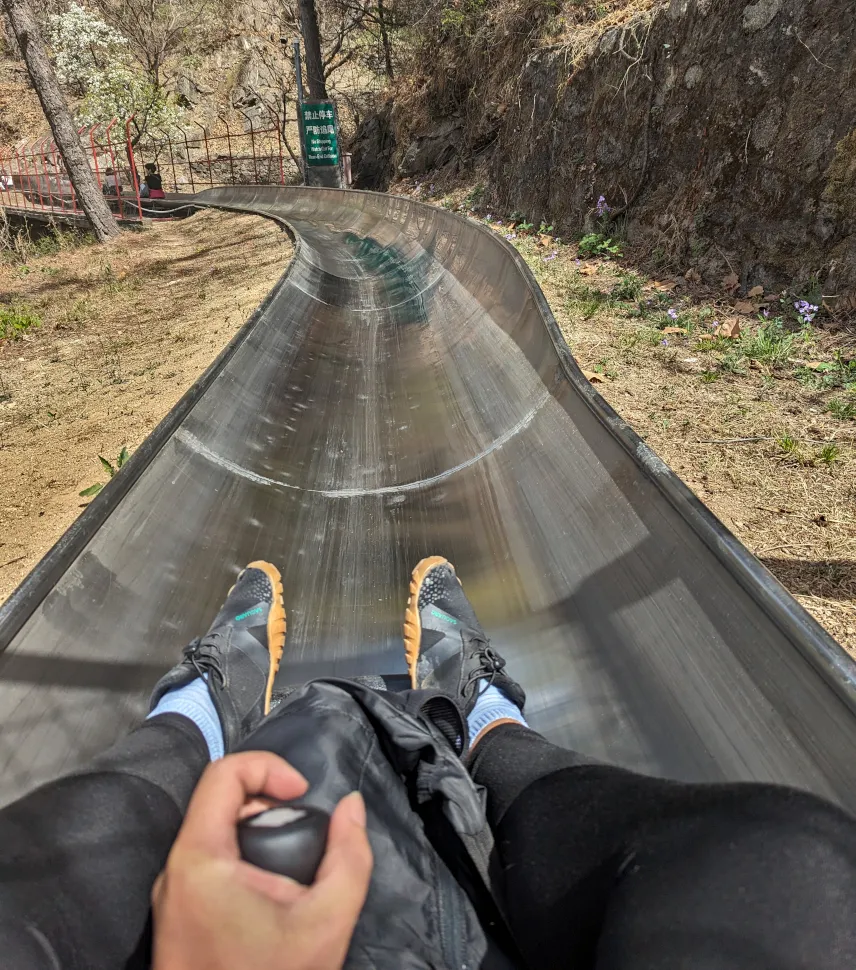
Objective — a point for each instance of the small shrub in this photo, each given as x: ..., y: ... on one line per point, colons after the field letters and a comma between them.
x: 16, y: 320
x: 596, y: 244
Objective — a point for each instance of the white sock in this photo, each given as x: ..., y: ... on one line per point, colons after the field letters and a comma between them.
x: 194, y: 702
x: 492, y: 705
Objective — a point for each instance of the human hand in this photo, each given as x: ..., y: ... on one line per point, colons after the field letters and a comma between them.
x: 213, y: 911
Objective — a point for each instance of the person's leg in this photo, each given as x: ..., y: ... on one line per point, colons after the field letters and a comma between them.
x: 607, y: 869
x: 80, y: 854
x: 610, y: 869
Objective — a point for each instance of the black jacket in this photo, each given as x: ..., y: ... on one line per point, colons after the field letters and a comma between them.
x: 429, y: 903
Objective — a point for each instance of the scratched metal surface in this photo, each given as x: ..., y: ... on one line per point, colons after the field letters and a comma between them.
x: 404, y: 393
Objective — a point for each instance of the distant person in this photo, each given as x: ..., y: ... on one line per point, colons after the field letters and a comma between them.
x: 152, y: 187
x: 112, y: 185
x: 459, y: 837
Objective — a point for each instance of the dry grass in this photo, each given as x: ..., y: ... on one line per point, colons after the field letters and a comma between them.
x: 20, y: 111
x: 580, y: 25
x: 790, y: 497
x: 125, y: 329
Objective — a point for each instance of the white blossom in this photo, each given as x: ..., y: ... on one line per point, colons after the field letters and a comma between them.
x: 93, y: 58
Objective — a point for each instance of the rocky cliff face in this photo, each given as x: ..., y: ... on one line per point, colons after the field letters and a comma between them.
x: 723, y: 132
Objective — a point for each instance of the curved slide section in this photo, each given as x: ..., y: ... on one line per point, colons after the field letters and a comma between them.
x: 404, y: 391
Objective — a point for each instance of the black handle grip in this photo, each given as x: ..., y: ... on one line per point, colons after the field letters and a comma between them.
x: 289, y: 839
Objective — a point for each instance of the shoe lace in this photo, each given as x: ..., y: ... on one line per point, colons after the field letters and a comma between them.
x: 490, y: 666
x: 204, y: 656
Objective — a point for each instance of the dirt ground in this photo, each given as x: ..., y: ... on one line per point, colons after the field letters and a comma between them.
x: 761, y: 426
x: 758, y: 446
x: 125, y: 330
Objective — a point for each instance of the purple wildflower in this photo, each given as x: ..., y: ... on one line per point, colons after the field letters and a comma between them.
x: 766, y: 314
x: 552, y: 255
x: 488, y: 218
x: 805, y: 310
x: 672, y: 312
x: 602, y: 208
x: 665, y: 343
x: 511, y: 235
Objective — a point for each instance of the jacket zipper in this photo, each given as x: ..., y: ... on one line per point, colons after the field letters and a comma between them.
x: 451, y: 920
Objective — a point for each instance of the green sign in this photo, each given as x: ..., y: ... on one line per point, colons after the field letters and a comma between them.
x: 320, y: 133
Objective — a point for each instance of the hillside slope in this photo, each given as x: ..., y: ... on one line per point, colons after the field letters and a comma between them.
x: 721, y: 134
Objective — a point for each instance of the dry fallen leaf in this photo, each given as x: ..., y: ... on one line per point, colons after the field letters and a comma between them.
x: 666, y: 287
x: 731, y: 282
x: 545, y: 241
x: 587, y: 269
x: 692, y: 276
x: 674, y: 330
x: 744, y: 306
x: 755, y: 291
x: 590, y: 375
x: 706, y: 336
x: 731, y: 329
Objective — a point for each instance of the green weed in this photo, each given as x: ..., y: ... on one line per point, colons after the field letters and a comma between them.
x: 16, y: 320
x: 111, y: 470
x: 709, y: 376
x: 732, y: 362
x: 596, y: 244
x: 628, y: 288
x: 789, y: 445
x: 829, y: 454
x: 588, y: 308
x: 843, y: 410
x: 770, y: 344
x: 78, y: 313
x: 830, y: 375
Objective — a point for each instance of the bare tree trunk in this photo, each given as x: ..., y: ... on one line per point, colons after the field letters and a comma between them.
x: 384, y: 36
x: 59, y: 118
x: 312, y: 48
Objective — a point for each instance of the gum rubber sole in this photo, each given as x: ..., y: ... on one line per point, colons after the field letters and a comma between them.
x: 412, y: 623
x: 276, y: 624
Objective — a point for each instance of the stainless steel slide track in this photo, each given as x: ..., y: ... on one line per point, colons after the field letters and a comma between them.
x: 403, y: 391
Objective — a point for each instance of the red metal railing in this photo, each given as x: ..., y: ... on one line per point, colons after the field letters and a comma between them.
x: 191, y: 161
x: 33, y: 175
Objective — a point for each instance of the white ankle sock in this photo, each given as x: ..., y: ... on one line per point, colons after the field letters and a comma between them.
x: 194, y: 702
x: 492, y: 705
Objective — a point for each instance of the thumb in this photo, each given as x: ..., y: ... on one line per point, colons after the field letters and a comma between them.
x: 342, y: 882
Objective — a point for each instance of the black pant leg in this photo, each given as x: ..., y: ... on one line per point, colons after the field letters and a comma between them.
x: 80, y: 854
x: 608, y: 869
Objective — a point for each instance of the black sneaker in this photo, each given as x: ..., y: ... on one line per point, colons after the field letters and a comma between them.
x: 240, y: 653
x: 445, y: 645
